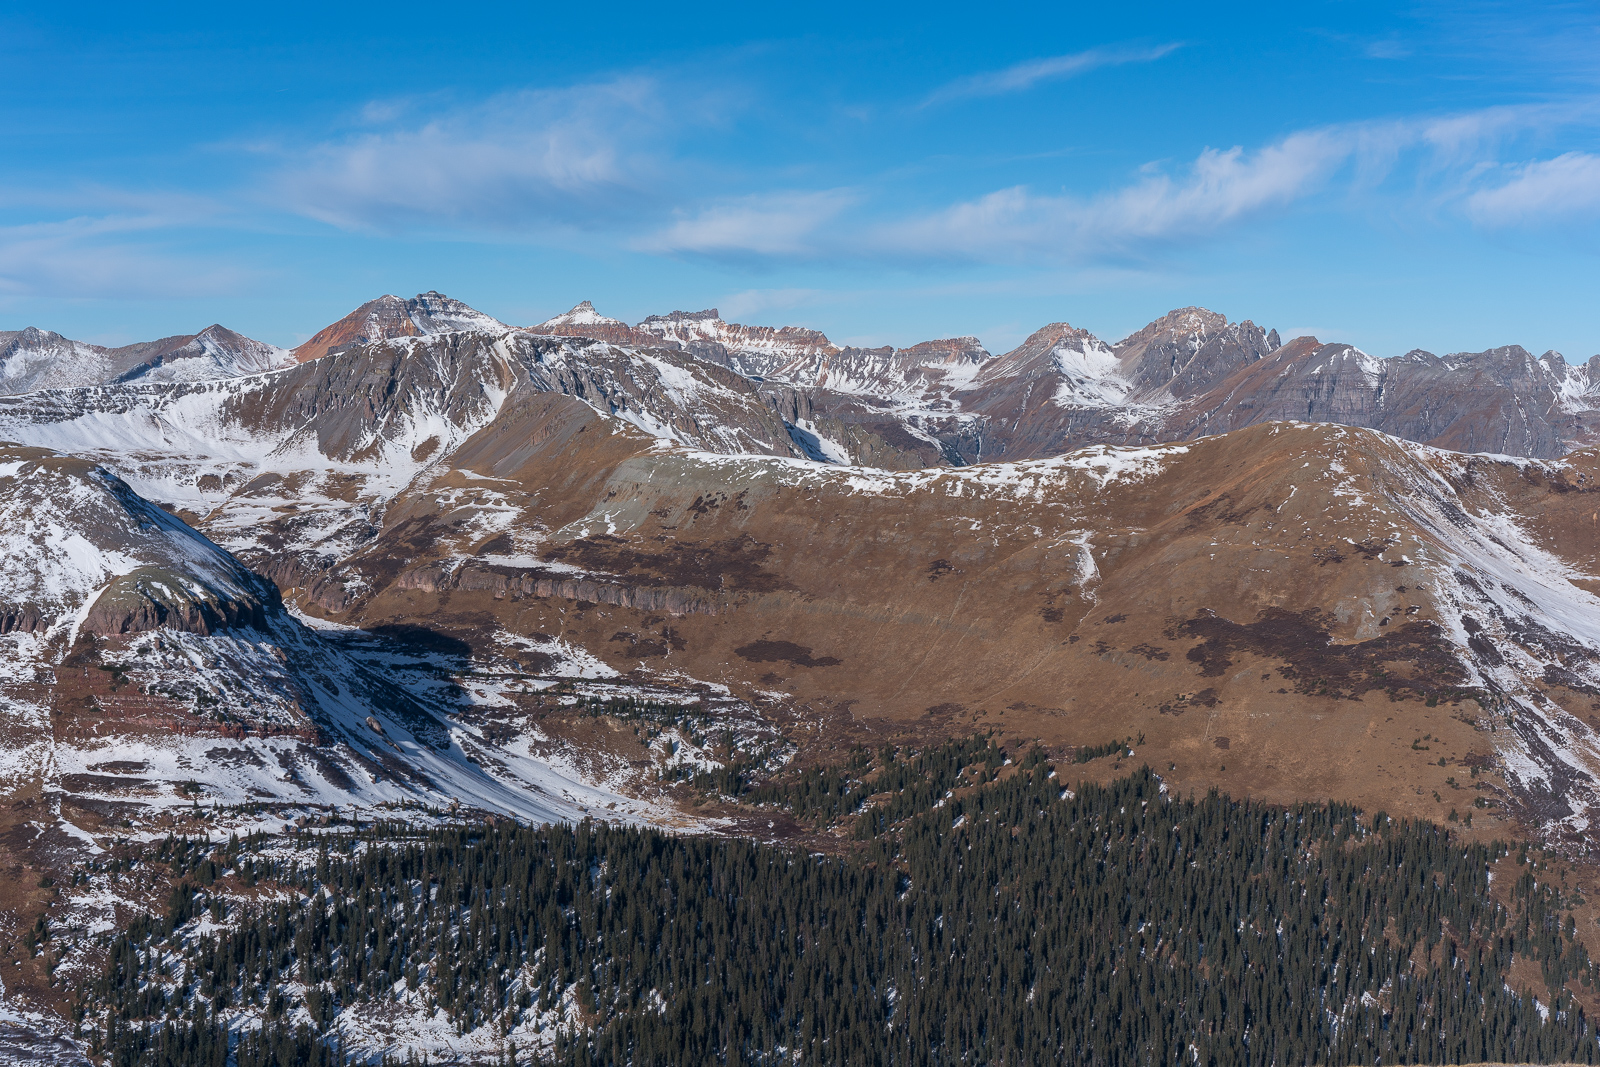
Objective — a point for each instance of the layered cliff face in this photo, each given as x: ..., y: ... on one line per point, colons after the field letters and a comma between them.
x: 751, y: 350
x: 1502, y: 400
x: 754, y: 351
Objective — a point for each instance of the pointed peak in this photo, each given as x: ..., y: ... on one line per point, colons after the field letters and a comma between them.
x: 1418, y: 355
x: 390, y: 316
x: 1296, y: 347
x: 1178, y: 322
x: 1053, y: 334
x: 582, y: 314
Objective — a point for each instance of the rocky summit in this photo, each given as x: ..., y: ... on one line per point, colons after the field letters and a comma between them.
x: 692, y: 575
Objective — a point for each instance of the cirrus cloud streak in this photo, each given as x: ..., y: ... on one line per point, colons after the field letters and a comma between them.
x: 580, y: 156
x: 1552, y: 190
x: 1025, y: 75
x: 1446, y: 159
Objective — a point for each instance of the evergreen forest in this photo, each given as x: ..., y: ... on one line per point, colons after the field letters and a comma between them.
x: 974, y: 910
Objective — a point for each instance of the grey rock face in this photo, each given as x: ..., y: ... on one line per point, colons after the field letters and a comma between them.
x: 1190, y: 350
x: 368, y: 398
x: 1502, y: 400
x: 1192, y: 373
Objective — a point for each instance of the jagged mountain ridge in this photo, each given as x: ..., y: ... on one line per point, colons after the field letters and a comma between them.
x: 1186, y: 374
x: 949, y: 402
x: 503, y: 490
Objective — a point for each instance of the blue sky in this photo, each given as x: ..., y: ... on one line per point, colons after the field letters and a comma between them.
x: 1393, y: 176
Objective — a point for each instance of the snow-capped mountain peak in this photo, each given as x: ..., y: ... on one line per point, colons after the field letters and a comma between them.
x: 34, y: 359
x: 583, y: 314
x: 214, y: 352
x: 390, y: 316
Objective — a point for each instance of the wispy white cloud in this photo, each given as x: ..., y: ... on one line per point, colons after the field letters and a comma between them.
x: 1027, y: 74
x: 1218, y: 188
x: 597, y: 166
x: 1217, y: 191
x: 578, y: 156
x: 1566, y: 188
x: 110, y: 257
x: 776, y: 224
x: 1387, y: 48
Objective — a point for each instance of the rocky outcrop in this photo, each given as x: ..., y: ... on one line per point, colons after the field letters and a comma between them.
x: 158, y: 598
x: 520, y: 583
x: 22, y: 618
x: 1190, y: 350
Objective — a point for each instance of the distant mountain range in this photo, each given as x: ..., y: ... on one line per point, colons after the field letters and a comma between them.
x: 1188, y: 374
